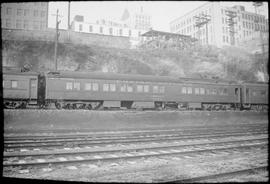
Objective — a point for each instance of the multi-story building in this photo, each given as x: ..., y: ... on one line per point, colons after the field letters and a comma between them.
x: 211, y: 24
x: 27, y: 16
x: 137, y: 20
x: 104, y: 27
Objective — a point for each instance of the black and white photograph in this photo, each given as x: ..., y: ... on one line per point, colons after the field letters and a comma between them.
x: 135, y: 91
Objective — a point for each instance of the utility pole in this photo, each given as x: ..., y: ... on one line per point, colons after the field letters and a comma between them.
x: 200, y: 21
x: 57, y: 34
x: 231, y: 15
x: 68, y: 26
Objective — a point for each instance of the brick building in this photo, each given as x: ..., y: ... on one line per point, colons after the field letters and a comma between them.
x: 218, y: 30
x: 26, y: 16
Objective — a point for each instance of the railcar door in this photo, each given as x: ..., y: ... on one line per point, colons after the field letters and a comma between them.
x: 33, y: 89
x: 247, y: 96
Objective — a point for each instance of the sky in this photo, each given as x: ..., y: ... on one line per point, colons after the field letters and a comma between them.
x: 162, y: 12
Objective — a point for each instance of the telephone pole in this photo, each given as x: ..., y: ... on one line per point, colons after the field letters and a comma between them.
x: 230, y: 21
x: 57, y: 34
x: 201, y: 21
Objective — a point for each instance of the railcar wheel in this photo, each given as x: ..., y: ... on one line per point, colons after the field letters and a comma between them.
x: 89, y: 107
x: 58, y: 105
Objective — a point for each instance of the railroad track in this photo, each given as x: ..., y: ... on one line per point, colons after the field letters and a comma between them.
x: 217, y: 176
x: 127, y: 154
x: 55, y: 143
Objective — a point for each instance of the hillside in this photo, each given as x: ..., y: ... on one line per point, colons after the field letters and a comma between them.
x: 204, y: 62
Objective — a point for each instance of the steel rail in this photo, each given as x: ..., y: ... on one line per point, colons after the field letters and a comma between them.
x: 216, y: 176
x: 234, y: 148
x: 96, y: 142
x: 26, y: 154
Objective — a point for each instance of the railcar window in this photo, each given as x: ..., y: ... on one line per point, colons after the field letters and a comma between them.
x: 162, y: 89
x: 123, y: 87
x: 69, y: 86
x: 105, y: 87
x: 155, y: 89
x: 202, y: 91
x: 146, y: 88
x: 263, y: 93
x: 77, y: 86
x: 139, y: 88
x: 112, y: 87
x: 5, y: 84
x: 189, y: 90
x: 14, y: 84
x: 129, y: 88
x: 184, y: 90
x: 225, y: 91
x: 95, y: 86
x: 87, y: 86
x: 197, y: 91
x: 236, y: 91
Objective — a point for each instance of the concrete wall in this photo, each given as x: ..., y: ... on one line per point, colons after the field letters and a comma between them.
x: 73, y: 37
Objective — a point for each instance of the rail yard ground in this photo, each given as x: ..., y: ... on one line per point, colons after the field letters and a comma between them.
x: 136, y: 146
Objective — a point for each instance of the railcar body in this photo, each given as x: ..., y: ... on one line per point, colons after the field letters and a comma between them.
x: 92, y: 90
x: 255, y: 96
x: 19, y: 88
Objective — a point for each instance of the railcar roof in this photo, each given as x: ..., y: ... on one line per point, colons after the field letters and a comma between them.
x: 11, y: 72
x: 133, y: 77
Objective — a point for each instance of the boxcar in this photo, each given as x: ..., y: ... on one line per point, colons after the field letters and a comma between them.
x: 94, y: 90
x: 19, y: 88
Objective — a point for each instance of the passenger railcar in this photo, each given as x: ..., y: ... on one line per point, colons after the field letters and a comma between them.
x: 255, y: 96
x: 19, y: 89
x: 93, y: 90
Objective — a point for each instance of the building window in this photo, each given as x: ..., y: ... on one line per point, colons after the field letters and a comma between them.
x: 19, y: 12
x: 90, y: 28
x: 26, y: 12
x: 95, y: 86
x: 87, y: 86
x: 139, y: 33
x: 35, y: 26
x: 14, y: 84
x: 26, y: 25
x: 42, y: 14
x: 18, y: 24
x: 80, y: 27
x: 35, y: 13
x: 129, y: 33
x: 120, y: 32
x: 9, y: 11
x: 224, y: 39
x: 101, y: 29
x: 77, y: 86
x: 69, y: 86
x: 8, y: 23
x: 111, y: 31
x: 227, y: 39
